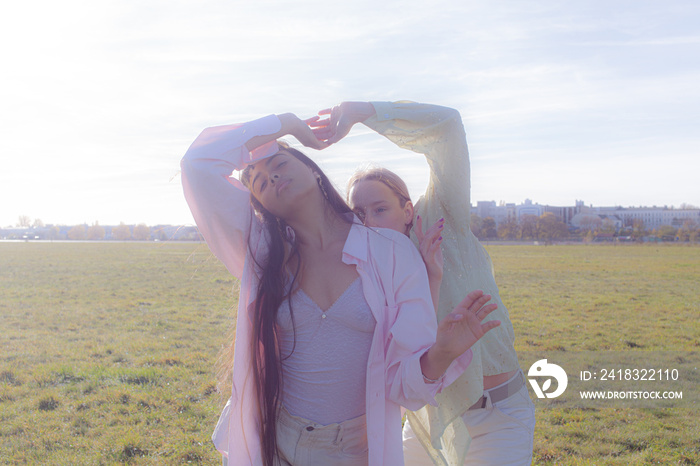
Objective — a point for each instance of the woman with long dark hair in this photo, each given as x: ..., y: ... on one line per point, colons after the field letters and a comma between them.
x: 486, y: 416
x: 335, y: 327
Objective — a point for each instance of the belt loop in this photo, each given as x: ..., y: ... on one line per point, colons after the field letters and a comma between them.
x: 488, y: 402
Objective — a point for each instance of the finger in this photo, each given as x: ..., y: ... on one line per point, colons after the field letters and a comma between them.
x: 436, y: 227
x: 434, y: 246
x: 479, y: 303
x: 486, y: 310
x: 322, y: 133
x: 466, y: 303
x: 322, y: 137
x: 312, y: 119
x: 490, y: 325
x: 325, y: 111
x: 419, y: 229
x: 433, y: 233
x: 318, y: 123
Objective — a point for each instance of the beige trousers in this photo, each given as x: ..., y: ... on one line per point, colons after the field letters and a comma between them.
x: 302, y: 442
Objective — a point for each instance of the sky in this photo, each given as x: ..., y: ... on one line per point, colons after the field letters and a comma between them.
x: 561, y: 101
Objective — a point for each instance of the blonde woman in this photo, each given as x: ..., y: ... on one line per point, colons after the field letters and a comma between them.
x: 486, y: 416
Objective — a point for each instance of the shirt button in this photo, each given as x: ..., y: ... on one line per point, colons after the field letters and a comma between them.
x: 323, y: 316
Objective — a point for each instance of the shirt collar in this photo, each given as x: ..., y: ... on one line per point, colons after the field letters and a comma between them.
x: 355, y: 249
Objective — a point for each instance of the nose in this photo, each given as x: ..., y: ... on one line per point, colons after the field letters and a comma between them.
x: 274, y: 177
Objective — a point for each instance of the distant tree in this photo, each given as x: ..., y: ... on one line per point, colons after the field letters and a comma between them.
x: 687, y: 206
x: 607, y: 226
x: 666, y: 232
x: 509, y: 229
x: 638, y: 229
x: 161, y: 235
x: 528, y: 227
x: 488, y: 228
x: 550, y: 228
x: 121, y: 232
x: 54, y: 232
x: 78, y: 232
x: 688, y: 231
x: 590, y: 223
x: 24, y: 221
x: 475, y: 225
x: 38, y: 223
x: 96, y: 232
x: 142, y: 232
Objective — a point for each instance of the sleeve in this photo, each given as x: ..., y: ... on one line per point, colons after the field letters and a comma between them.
x: 220, y: 204
x: 437, y: 133
x: 413, y: 332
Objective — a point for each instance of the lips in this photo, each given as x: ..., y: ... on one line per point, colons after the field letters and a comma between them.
x: 282, y: 184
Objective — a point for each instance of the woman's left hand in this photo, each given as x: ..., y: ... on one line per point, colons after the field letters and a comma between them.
x: 429, y: 247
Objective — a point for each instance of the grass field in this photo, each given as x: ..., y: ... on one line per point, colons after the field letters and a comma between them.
x: 107, y: 350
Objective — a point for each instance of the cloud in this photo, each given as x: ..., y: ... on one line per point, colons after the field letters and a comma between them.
x: 101, y: 99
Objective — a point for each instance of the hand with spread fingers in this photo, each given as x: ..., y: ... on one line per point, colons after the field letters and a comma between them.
x: 462, y: 328
x: 458, y: 332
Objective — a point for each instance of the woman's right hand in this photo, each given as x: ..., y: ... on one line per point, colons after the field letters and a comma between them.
x: 302, y: 130
x: 290, y: 125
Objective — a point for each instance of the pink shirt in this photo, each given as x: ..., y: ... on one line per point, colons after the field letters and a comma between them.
x: 394, y: 284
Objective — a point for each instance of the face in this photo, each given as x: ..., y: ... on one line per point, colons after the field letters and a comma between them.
x: 279, y: 182
x: 378, y: 206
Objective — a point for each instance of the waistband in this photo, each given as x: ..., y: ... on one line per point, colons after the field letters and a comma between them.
x: 330, y: 431
x: 501, y: 392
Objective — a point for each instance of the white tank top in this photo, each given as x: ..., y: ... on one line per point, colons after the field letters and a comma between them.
x: 324, y: 374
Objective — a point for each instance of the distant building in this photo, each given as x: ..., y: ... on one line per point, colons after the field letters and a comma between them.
x: 653, y: 217
x: 578, y: 214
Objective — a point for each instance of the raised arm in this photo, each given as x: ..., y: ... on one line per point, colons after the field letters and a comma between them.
x: 220, y: 204
x: 432, y: 130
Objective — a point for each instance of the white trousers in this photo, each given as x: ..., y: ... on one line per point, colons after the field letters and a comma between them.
x: 502, y: 434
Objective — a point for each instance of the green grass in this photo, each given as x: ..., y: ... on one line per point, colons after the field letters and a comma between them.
x: 107, y: 351
x: 614, y: 298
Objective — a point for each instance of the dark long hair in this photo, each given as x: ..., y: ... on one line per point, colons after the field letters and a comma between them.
x: 273, y: 289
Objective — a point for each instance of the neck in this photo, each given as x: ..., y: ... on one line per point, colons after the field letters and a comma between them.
x: 317, y: 225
